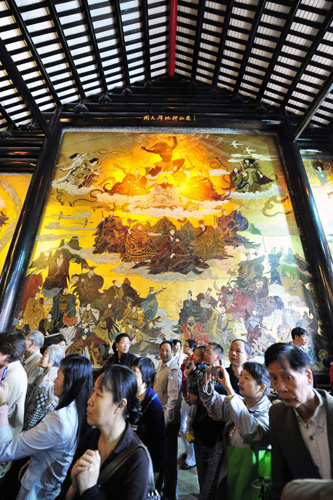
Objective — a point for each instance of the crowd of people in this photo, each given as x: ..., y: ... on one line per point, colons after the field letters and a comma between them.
x: 251, y: 429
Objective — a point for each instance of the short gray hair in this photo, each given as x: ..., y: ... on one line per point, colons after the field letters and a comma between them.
x: 37, y: 337
x: 56, y: 354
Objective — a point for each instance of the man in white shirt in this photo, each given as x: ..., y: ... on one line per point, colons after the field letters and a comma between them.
x: 167, y: 385
x: 12, y: 347
x: 34, y: 341
x: 301, y: 426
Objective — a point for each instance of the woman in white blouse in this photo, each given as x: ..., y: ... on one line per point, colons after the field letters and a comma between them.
x: 51, y: 443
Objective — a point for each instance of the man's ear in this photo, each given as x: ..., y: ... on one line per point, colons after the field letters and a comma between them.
x: 309, y: 375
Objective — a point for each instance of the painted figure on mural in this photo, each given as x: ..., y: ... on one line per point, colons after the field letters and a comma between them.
x: 58, y: 275
x: 163, y: 195
x: 87, y: 286
x: 132, y: 321
x: 34, y: 311
x: 320, y: 172
x: 64, y: 309
x: 208, y: 242
x: 149, y: 305
x: 106, y: 327
x: 173, y: 256
x: 88, y: 343
x: 207, y: 304
x: 110, y: 235
x: 32, y: 284
x: 190, y: 308
x: 48, y: 325
x: 274, y: 262
x: 88, y: 173
x: 230, y: 225
x: 201, y: 188
x: 195, y: 330
x: 87, y: 316
x: 119, y: 296
x: 165, y: 151
x: 256, y: 180
x: 138, y: 245
x: 131, y: 185
x: 77, y: 159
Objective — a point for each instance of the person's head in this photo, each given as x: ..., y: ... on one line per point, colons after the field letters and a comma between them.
x: 122, y: 343
x: 290, y: 373
x: 189, y: 347
x: 74, y: 382
x: 52, y: 356
x: 34, y: 341
x: 239, y: 353
x: 59, y: 340
x: 113, y: 398
x: 213, y: 353
x: 254, y: 381
x: 299, y: 336
x: 198, y: 354
x: 12, y: 347
x: 144, y: 370
x: 166, y: 351
x: 177, y: 345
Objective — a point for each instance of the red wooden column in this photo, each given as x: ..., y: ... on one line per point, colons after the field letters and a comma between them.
x: 172, y: 36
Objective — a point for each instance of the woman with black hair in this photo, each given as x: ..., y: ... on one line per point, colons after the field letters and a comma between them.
x: 121, y: 355
x: 246, y: 429
x: 110, y: 410
x: 151, y: 426
x: 51, y: 443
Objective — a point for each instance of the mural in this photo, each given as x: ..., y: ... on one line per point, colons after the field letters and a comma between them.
x: 186, y: 235
x: 13, y: 190
x: 320, y: 175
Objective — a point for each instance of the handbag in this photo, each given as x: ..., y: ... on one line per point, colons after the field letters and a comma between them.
x: 121, y: 459
x: 248, y: 473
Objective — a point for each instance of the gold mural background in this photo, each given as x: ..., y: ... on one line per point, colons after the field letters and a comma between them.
x: 13, y: 190
x: 168, y: 235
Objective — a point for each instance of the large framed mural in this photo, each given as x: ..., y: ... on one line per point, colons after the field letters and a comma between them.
x: 13, y: 190
x: 320, y: 175
x: 168, y: 234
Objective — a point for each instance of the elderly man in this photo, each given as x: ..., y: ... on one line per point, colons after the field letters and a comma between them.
x: 167, y: 385
x: 303, y: 446
x: 34, y: 341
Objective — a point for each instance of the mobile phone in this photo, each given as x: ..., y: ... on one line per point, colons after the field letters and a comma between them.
x: 216, y: 372
x: 3, y: 373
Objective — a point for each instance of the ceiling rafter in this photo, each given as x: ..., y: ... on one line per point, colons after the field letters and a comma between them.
x: 122, y: 45
x: 219, y: 57
x: 21, y: 86
x: 93, y: 41
x: 31, y: 47
x: 64, y: 46
x: 277, y: 52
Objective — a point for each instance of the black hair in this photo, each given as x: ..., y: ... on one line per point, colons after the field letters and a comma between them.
x: 147, y: 368
x: 118, y: 339
x: 13, y: 344
x: 121, y: 381
x: 78, y: 385
x: 217, y: 348
x: 298, y: 331
x: 176, y: 341
x: 201, y: 348
x: 260, y: 373
x: 247, y: 346
x: 166, y: 342
x: 191, y: 343
x: 281, y: 352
